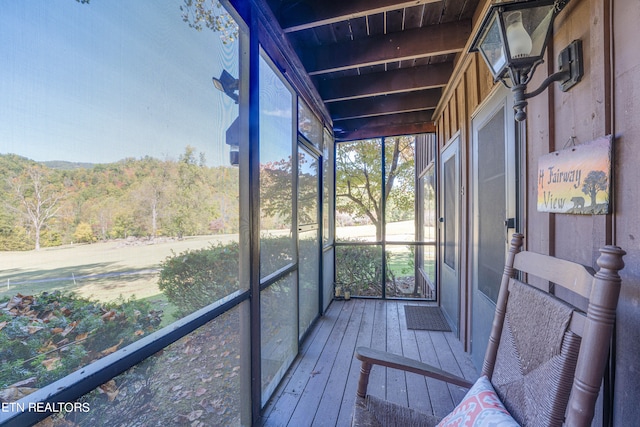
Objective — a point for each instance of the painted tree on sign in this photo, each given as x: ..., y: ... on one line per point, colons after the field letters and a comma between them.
x: 594, y: 182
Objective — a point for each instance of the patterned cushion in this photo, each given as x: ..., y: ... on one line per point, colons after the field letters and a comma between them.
x: 480, y: 407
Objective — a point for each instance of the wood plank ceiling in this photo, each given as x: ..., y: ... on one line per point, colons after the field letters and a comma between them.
x: 378, y: 65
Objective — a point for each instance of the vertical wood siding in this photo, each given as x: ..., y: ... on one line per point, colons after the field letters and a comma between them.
x: 606, y: 101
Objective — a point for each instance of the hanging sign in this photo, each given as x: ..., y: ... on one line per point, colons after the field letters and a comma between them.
x: 576, y: 180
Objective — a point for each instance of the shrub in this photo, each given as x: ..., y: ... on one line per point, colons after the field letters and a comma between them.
x: 359, y: 269
x: 196, y: 278
x: 275, y: 253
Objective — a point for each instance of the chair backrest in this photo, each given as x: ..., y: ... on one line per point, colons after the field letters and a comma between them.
x: 545, y: 357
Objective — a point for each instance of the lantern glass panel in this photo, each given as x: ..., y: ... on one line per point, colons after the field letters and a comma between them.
x: 526, y: 31
x: 492, y: 47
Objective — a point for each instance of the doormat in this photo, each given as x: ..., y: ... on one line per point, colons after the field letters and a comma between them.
x: 425, y: 318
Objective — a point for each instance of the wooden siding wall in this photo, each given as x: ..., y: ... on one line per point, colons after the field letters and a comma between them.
x: 625, y: 104
x: 606, y: 101
x: 425, y: 152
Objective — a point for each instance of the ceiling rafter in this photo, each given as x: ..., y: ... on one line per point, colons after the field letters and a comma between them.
x: 385, y: 83
x: 416, y: 43
x: 307, y: 15
x: 385, y: 104
x: 391, y: 125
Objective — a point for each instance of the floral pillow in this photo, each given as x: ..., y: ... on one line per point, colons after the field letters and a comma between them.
x: 480, y: 407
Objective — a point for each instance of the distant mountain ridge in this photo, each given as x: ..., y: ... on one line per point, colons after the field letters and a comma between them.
x: 65, y: 165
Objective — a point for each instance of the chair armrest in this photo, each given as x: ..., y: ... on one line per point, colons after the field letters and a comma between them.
x: 370, y: 357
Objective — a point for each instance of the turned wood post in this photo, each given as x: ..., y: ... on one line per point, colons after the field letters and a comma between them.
x: 601, y: 314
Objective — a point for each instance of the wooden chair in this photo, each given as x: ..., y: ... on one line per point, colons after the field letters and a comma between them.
x: 545, y: 358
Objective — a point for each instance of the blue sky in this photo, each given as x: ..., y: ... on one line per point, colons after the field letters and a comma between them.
x: 110, y: 79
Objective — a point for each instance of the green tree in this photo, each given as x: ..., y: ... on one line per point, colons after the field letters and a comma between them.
x: 359, y: 189
x: 188, y: 196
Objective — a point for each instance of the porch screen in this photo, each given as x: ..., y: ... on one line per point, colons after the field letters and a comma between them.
x: 491, y: 204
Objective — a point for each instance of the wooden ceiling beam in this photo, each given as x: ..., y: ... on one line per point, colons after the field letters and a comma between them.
x: 391, y: 125
x: 422, y: 42
x: 298, y: 16
x: 385, y: 104
x: 391, y: 130
x: 385, y: 83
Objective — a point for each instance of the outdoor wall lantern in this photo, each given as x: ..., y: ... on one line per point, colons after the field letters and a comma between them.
x: 227, y: 84
x: 512, y: 40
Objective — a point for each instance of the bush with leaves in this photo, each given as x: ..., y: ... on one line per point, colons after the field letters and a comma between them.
x: 275, y: 253
x: 45, y: 337
x: 359, y: 268
x: 196, y: 278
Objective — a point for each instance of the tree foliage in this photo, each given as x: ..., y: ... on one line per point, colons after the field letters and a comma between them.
x: 276, y: 193
x: 84, y: 233
x: 143, y: 197
x: 359, y: 184
x: 210, y: 14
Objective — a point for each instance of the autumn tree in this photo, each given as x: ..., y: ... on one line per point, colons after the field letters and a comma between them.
x: 594, y: 182
x: 84, y: 233
x: 35, y: 197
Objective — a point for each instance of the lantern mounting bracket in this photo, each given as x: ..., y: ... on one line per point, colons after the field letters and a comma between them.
x: 570, y: 72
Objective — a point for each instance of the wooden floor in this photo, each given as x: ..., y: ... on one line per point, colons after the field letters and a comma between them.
x: 320, y: 387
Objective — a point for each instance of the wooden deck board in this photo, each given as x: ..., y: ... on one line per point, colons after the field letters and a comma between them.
x: 307, y: 407
x: 419, y: 397
x: 319, y: 389
x: 379, y: 342
x: 331, y: 401
x: 294, y: 383
x: 396, y: 383
x: 365, y: 332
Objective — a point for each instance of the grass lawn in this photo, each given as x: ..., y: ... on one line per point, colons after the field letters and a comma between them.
x: 103, y: 271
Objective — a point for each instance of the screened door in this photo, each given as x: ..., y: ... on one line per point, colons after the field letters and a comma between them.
x: 493, y: 212
x: 449, y: 232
